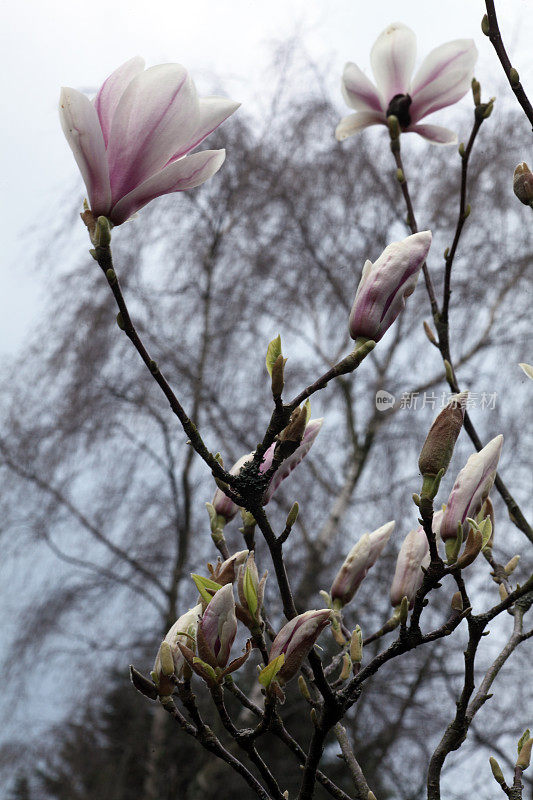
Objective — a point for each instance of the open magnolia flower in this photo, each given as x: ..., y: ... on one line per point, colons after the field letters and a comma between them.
x: 132, y: 142
x: 443, y: 78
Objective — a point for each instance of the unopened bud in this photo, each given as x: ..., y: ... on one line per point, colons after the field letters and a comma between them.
x: 476, y: 91
x: 496, y: 771
x: 400, y: 177
x: 504, y: 594
x: 437, y: 450
x: 468, y: 209
x: 485, y: 25
x: 120, y: 321
x: 514, y: 77
x: 457, y: 602
x: 304, y: 690
x: 356, y: 645
x: 292, y: 516
x: 429, y: 333
x: 524, y: 757
x: 371, y: 796
x: 102, y: 234
x: 346, y: 667
x: 523, y: 183
x: 461, y: 149
x: 511, y: 565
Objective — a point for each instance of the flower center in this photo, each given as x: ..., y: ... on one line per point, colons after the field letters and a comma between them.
x: 399, y: 107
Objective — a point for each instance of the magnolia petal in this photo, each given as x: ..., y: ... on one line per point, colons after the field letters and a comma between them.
x: 354, y: 123
x: 443, y: 78
x: 435, y: 134
x: 112, y: 90
x: 81, y: 127
x: 176, y: 177
x: 392, y: 58
x: 213, y: 111
x: 155, y: 117
x: 527, y: 369
x: 311, y: 432
x: 358, y: 91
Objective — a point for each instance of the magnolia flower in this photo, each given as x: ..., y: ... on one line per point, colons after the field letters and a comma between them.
x: 471, y: 488
x: 218, y: 628
x: 131, y: 143
x: 183, y: 631
x: 442, y: 79
x: 226, y: 508
x: 385, y: 285
x: 408, y: 576
x: 296, y: 639
x: 359, y: 560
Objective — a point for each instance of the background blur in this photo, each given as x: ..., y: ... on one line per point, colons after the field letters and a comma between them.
x: 103, y: 504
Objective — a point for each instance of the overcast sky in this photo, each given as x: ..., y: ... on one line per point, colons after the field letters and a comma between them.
x: 60, y: 42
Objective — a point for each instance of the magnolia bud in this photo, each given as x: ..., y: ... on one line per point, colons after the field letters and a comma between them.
x: 471, y: 488
x: 523, y: 183
x: 359, y: 560
x: 217, y: 628
x: 296, y: 639
x: 524, y: 757
x: 437, y: 450
x: 408, y: 576
x: 169, y: 659
x: 356, y: 645
x: 496, y: 771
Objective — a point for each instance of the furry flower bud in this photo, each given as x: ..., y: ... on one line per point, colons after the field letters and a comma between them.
x: 437, y: 450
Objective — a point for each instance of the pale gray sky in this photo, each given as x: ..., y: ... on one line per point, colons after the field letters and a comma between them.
x: 60, y: 42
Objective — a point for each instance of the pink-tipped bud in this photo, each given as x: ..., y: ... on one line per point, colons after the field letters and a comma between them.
x: 438, y: 448
x: 359, y: 560
x: 408, y: 576
x: 385, y: 286
x: 296, y: 639
x: 312, y: 430
x: 471, y: 488
x: 217, y: 628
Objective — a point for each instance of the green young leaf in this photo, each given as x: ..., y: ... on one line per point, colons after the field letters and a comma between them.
x: 307, y: 406
x: 522, y: 740
x: 273, y: 351
x: 203, y: 584
x: 267, y: 675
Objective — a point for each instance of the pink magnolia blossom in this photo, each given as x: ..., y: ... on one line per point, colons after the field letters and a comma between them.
x: 359, y: 560
x: 132, y: 142
x: 296, y: 639
x: 443, y: 78
x: 471, y: 488
x: 218, y: 628
x: 226, y: 508
x: 408, y: 576
x: 385, y: 285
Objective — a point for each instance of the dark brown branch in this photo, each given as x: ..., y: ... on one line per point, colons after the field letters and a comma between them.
x: 497, y: 42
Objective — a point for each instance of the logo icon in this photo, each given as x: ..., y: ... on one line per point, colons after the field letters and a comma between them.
x: 384, y: 400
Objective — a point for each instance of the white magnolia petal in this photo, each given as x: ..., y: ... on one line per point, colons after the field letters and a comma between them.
x: 354, y: 123
x: 358, y: 91
x: 112, y: 90
x: 176, y: 177
x: 392, y: 59
x: 435, y: 134
x: 443, y: 78
x: 213, y: 111
x: 155, y: 117
x: 81, y: 127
